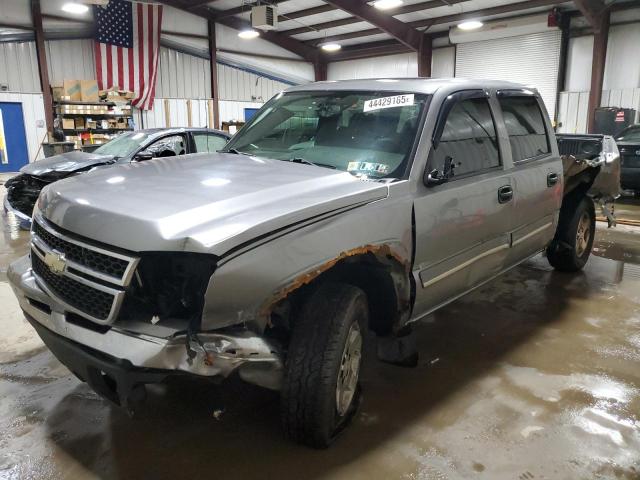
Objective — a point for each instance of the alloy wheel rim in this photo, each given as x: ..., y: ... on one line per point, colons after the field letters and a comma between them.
x: 349, y: 369
x: 583, y: 234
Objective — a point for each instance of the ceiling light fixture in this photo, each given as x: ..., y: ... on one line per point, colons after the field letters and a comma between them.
x: 387, y: 4
x: 75, y: 8
x: 470, y: 25
x: 331, y: 47
x: 248, y: 34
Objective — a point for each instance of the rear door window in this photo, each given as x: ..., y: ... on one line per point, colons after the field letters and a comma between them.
x: 208, y: 142
x: 468, y: 138
x: 526, y: 127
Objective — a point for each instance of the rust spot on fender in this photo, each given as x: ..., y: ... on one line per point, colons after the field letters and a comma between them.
x: 306, y: 278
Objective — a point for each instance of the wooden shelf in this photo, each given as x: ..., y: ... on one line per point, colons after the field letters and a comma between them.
x: 68, y: 102
x: 97, y: 130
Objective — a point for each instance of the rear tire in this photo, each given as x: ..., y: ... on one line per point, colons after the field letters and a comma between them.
x: 571, y: 246
x: 320, y: 390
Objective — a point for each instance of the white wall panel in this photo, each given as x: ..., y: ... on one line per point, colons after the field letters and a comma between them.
x: 34, y: 124
x: 234, y: 110
x: 239, y: 85
x: 19, y: 67
x: 572, y: 112
x: 529, y: 59
x: 579, y: 59
x: 443, y: 62
x: 622, y: 68
x: 182, y: 76
x: 403, y: 65
x: 178, y: 113
x: 70, y: 59
x: 296, y: 71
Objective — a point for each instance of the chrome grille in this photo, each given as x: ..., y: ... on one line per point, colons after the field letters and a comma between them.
x: 94, y: 302
x: 108, y: 265
x: 92, y: 280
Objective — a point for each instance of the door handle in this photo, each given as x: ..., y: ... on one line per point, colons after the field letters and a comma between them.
x: 505, y: 194
x: 552, y: 179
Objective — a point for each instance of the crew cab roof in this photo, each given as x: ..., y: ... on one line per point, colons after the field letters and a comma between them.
x: 415, y: 85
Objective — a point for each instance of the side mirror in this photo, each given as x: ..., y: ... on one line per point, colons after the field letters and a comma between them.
x: 142, y: 156
x: 434, y: 177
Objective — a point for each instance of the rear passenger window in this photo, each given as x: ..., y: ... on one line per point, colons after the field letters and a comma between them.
x: 468, y: 138
x: 207, y: 142
x: 525, y: 126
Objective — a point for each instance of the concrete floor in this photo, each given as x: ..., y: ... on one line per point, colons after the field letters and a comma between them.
x: 536, y: 375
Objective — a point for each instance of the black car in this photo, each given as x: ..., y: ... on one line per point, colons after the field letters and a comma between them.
x: 23, y: 189
x: 629, y: 145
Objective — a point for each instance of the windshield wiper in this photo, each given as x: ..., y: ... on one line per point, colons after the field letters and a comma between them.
x: 308, y: 162
x: 236, y: 152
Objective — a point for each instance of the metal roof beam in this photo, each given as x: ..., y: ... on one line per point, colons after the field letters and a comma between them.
x: 592, y: 10
x: 429, y: 22
x: 416, y: 7
x: 401, y: 31
x: 309, y: 53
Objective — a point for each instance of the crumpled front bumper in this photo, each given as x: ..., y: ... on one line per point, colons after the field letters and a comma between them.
x: 135, y: 355
x: 24, y: 221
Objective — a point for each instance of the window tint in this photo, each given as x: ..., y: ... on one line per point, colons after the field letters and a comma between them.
x: 468, y: 138
x: 208, y: 142
x: 525, y: 126
x: 168, y: 147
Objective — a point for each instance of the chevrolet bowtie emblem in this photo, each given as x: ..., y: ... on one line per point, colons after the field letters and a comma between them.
x: 55, y: 261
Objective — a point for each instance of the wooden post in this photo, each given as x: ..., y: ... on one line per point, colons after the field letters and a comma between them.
x: 600, y: 38
x: 214, y: 73
x: 36, y: 15
x: 167, y: 113
x: 320, y: 69
x: 425, y: 56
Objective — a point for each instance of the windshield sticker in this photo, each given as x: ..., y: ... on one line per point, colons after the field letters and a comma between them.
x: 387, y: 102
x: 368, y: 168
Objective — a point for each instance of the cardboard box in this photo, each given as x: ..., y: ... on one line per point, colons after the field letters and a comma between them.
x: 79, y: 121
x: 122, y: 123
x: 57, y: 92
x: 68, y: 123
x: 89, y: 91
x: 92, y: 124
x: 72, y: 90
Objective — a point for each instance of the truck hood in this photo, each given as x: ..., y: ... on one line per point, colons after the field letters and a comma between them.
x: 199, y: 203
x: 68, y: 163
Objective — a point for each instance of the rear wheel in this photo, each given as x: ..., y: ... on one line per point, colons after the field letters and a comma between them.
x: 571, y: 246
x: 320, y: 390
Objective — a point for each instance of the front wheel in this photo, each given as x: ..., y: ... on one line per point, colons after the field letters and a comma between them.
x: 320, y: 390
x: 571, y: 246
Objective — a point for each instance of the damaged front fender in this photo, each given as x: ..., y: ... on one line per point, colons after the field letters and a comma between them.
x: 247, y: 286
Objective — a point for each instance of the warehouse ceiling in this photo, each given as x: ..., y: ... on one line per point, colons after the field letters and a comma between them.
x: 362, y: 30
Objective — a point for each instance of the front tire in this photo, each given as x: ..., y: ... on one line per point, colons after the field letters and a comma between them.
x: 320, y: 390
x: 571, y: 246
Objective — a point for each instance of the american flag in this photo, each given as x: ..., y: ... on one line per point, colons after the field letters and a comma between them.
x: 126, y: 48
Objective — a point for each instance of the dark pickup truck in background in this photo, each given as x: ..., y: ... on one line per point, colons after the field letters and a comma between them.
x: 629, y: 145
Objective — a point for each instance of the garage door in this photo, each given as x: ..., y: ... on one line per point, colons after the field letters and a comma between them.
x: 530, y: 59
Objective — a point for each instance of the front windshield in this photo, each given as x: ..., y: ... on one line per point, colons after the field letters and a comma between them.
x: 630, y: 134
x: 123, y: 145
x: 369, y: 134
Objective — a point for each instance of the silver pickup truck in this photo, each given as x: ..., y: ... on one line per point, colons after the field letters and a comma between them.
x: 340, y: 207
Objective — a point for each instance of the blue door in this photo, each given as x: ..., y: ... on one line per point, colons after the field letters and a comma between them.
x: 249, y: 113
x: 13, y: 139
